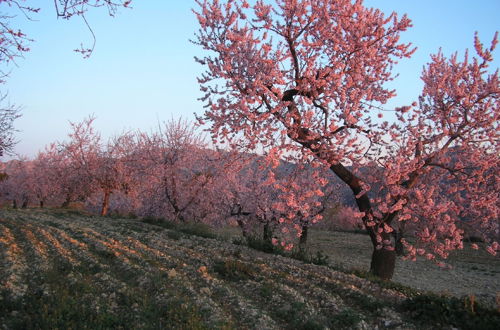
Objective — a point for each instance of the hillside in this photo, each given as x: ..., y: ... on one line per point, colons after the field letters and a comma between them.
x: 62, y: 269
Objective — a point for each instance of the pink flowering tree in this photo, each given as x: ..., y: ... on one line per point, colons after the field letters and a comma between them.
x: 17, y: 187
x: 175, y: 171
x: 278, y: 198
x: 306, y: 77
x: 44, y: 184
x: 64, y: 181
x: 99, y: 167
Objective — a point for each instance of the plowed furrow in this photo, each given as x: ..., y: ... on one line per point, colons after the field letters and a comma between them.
x: 15, y: 263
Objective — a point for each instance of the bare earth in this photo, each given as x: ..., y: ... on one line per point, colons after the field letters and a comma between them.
x: 129, y: 274
x: 473, y: 272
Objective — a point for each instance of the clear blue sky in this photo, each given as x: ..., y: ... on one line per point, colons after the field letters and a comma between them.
x: 142, y: 69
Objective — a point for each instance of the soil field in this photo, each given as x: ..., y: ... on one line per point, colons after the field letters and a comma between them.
x: 467, y: 272
x: 61, y: 269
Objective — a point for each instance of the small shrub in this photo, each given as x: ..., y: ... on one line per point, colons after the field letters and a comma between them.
x: 267, y: 291
x: 346, y: 319
x: 406, y: 290
x: 234, y: 270
x: 366, y: 303
x: 435, y: 310
x: 197, y: 229
x: 65, y: 213
x: 161, y: 222
x: 297, y: 317
x: 77, y: 206
x: 237, y: 254
x: 319, y: 258
x: 131, y: 215
x: 299, y: 254
x: 266, y: 246
x: 175, y: 235
x: 260, y: 244
x: 239, y: 241
x: 181, y: 313
x: 114, y: 215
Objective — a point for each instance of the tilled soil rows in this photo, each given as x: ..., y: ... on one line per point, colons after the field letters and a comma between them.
x: 62, y: 269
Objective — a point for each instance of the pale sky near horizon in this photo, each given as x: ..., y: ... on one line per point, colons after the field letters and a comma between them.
x: 142, y: 70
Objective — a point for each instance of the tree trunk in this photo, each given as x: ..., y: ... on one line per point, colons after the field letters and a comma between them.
x: 105, y: 203
x: 66, y: 202
x: 14, y: 204
x: 41, y: 203
x: 303, y: 238
x: 25, y: 203
x: 399, y: 234
x: 383, y: 263
x: 383, y: 260
x: 268, y: 232
x: 398, y: 237
x: 244, y: 231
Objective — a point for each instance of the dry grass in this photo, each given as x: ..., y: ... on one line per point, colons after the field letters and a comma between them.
x: 473, y: 272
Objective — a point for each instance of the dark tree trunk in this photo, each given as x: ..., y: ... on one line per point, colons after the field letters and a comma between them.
x: 398, y: 238
x: 244, y: 231
x: 268, y: 232
x: 400, y: 249
x: 66, y: 202
x: 180, y: 217
x: 237, y: 211
x: 105, y: 203
x: 25, y: 203
x: 398, y: 235
x: 42, y: 203
x: 14, y: 204
x: 383, y: 263
x: 303, y: 238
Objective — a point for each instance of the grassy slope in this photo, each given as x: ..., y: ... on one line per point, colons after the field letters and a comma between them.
x: 61, y: 269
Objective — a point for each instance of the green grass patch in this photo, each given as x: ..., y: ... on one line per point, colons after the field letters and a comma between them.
x: 266, y: 246
x: 318, y: 258
x: 297, y: 316
x: 160, y: 222
x: 66, y: 213
x: 406, y: 290
x: 175, y: 235
x: 197, y: 229
x: 53, y: 301
x: 346, y: 319
x: 267, y: 290
x: 440, y: 311
x: 190, y: 228
x: 235, y: 270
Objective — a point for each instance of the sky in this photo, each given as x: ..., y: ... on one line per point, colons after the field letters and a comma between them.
x: 142, y: 70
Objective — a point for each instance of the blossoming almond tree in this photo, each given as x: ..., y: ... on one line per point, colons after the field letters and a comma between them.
x: 176, y: 171
x: 304, y: 77
x: 18, y: 185
x: 101, y: 167
x: 65, y: 182
x: 277, y: 198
